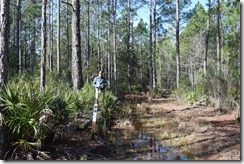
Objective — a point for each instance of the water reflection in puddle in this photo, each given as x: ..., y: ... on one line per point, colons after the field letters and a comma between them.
x: 141, y: 140
x: 145, y: 147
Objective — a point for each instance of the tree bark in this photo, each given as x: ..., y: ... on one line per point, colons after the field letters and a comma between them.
x: 43, y: 46
x: 4, y: 30
x: 141, y: 63
x: 109, y: 47
x: 218, y: 40
x: 177, y: 44
x: 77, y: 78
x: 58, y: 37
x: 17, y: 42
x: 32, y: 49
x: 206, y: 41
x: 154, y: 47
x: 49, y: 56
x: 98, y: 36
x: 67, y: 36
x: 88, y: 36
x: 151, y: 54
x: 114, y: 48
x: 128, y: 43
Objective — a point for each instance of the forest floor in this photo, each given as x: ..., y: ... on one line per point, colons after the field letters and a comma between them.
x: 198, y: 132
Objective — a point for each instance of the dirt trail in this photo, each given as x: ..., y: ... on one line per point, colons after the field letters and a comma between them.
x: 202, y: 133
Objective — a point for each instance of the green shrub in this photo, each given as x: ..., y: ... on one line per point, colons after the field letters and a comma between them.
x: 193, y: 94
x: 22, y: 105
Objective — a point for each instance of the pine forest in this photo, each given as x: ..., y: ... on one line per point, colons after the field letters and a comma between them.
x: 120, y: 79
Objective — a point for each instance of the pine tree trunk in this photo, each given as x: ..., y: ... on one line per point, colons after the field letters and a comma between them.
x: 98, y: 35
x: 24, y: 54
x: 32, y: 49
x: 58, y: 37
x: 150, y: 55
x: 88, y: 37
x: 218, y: 40
x: 206, y: 40
x: 18, y: 15
x: 4, y: 30
x: 77, y: 78
x: 177, y: 44
x: 109, y: 49
x: 114, y: 48
x: 49, y: 56
x: 154, y: 48
x: 67, y: 36
x: 141, y: 63
x: 128, y: 44
x: 160, y: 80
x: 43, y: 46
x: 192, y: 71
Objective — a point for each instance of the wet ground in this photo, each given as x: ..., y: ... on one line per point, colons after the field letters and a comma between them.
x: 161, y: 130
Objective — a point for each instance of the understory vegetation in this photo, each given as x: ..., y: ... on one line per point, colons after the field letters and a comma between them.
x: 211, y: 90
x: 30, y: 116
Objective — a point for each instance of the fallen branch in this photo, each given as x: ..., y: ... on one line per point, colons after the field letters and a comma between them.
x: 40, y: 154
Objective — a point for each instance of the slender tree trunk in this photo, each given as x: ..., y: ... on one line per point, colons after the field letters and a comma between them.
x: 48, y: 35
x: 128, y: 43
x: 24, y: 55
x: 160, y: 70
x: 98, y: 35
x: 77, y: 78
x: 115, y: 47
x: 141, y: 63
x: 88, y: 36
x: 13, y: 45
x: 192, y: 71
x: 151, y: 55
x: 49, y: 56
x: 32, y: 49
x: 4, y: 30
x: 43, y: 45
x: 206, y: 40
x: 102, y: 55
x: 131, y: 28
x: 20, y: 52
x: 17, y: 42
x: 29, y: 48
x: 177, y: 44
x: 218, y: 39
x: 58, y: 37
x: 67, y: 36
x: 154, y: 47
x: 109, y: 45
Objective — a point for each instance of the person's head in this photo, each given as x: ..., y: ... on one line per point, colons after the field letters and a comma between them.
x: 100, y: 73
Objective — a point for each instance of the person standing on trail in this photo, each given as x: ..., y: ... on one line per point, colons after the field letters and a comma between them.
x: 99, y: 83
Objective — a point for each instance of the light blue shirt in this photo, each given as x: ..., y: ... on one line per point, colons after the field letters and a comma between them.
x: 99, y: 82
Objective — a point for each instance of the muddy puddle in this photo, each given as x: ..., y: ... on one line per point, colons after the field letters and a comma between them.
x: 139, y: 136
x: 138, y: 146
